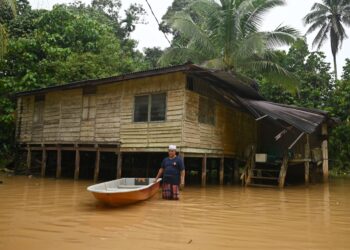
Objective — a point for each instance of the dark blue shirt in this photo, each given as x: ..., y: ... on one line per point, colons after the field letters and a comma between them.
x: 172, y: 169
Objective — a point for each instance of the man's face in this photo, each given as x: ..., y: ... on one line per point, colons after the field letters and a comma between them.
x: 172, y: 153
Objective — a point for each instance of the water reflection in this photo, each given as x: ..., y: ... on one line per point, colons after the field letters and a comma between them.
x: 61, y: 214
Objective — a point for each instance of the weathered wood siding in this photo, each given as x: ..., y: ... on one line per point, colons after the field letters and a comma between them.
x: 26, y: 118
x: 108, y: 110
x: 52, y: 117
x: 152, y: 135
x: 112, y: 108
x: 233, y: 131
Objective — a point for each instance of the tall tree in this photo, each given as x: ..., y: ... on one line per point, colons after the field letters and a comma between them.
x: 329, y: 18
x: 10, y: 7
x: 67, y: 43
x: 316, y: 85
x: 226, y: 34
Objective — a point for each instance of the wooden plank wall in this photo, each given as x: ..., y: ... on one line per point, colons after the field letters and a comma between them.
x: 52, y: 116
x: 107, y: 124
x: 234, y: 130
x: 155, y: 134
x: 114, y: 106
x: 26, y: 119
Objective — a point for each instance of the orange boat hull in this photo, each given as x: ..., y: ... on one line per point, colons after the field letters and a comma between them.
x: 119, y: 199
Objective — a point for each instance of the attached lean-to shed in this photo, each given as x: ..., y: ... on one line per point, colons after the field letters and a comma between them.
x: 121, y: 126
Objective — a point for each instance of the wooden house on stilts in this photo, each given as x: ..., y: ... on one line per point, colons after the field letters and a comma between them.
x: 121, y: 126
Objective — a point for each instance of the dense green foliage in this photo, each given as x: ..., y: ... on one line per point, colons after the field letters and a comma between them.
x: 68, y: 43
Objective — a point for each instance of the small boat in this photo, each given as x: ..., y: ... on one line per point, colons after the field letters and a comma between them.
x: 125, y: 191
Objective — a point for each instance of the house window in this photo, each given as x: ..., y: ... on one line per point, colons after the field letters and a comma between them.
x: 206, y: 113
x: 89, y: 103
x: 150, y: 108
x: 39, y: 109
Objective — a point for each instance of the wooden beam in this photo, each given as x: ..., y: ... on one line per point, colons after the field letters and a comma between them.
x: 261, y: 117
x: 97, y: 165
x: 119, y: 165
x: 325, y: 160
x: 43, y: 162
x: 77, y: 164
x: 283, y: 171
x: 182, y: 155
x: 296, y: 140
x: 307, y: 163
x: 221, y: 170
x: 204, y: 171
x: 86, y: 149
x: 29, y: 159
x: 250, y: 166
x: 325, y: 153
x: 59, y: 161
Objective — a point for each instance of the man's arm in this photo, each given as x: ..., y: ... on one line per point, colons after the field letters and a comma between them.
x: 182, y: 178
x: 160, y: 173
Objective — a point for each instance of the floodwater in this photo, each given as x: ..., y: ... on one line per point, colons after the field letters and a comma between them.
x: 60, y: 214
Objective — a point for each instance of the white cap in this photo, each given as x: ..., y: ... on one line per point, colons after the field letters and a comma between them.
x: 172, y: 147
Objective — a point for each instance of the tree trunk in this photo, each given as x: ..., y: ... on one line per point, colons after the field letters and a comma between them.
x: 335, y: 66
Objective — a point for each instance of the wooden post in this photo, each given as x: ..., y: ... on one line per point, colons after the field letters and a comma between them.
x: 250, y: 166
x: 221, y: 170
x: 204, y: 170
x: 77, y: 164
x: 307, y: 157
x: 182, y: 155
x: 119, y: 165
x: 59, y: 160
x: 29, y: 159
x: 325, y: 153
x: 283, y: 171
x: 43, y: 162
x: 97, y: 165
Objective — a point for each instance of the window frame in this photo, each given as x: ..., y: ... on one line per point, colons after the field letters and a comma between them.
x: 149, y: 107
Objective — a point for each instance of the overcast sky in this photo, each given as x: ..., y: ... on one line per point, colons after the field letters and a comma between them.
x: 148, y: 34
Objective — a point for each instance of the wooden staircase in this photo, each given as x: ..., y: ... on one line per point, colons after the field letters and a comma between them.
x: 264, y: 174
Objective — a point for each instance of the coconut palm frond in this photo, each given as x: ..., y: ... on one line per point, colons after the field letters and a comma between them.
x: 318, y: 23
x: 321, y: 36
x: 275, y: 73
x: 281, y: 36
x: 183, y: 23
x: 181, y: 55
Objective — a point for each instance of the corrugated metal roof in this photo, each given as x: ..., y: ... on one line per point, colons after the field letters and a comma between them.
x: 304, y: 120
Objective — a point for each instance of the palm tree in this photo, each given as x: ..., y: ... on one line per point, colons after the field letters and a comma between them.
x: 328, y: 18
x: 3, y: 33
x: 226, y: 35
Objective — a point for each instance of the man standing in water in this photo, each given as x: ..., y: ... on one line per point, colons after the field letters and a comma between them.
x: 173, y: 171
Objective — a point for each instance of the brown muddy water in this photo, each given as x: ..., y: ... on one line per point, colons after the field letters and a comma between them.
x: 60, y: 214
